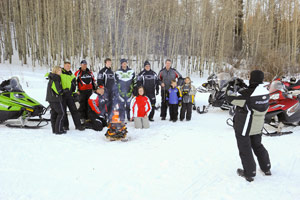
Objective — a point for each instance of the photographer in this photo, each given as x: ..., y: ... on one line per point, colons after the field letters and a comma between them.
x: 251, y: 106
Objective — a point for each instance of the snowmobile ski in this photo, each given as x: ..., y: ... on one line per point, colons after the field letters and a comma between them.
x: 204, y: 110
x: 276, y: 133
x: 229, y: 122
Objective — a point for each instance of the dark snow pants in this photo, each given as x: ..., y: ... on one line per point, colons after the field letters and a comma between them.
x: 124, y: 107
x: 186, y: 109
x: 164, y: 104
x: 69, y: 102
x: 57, y: 116
x: 83, y: 101
x: 96, y: 122
x: 153, y: 102
x: 111, y: 102
x: 173, y: 109
x: 245, y: 146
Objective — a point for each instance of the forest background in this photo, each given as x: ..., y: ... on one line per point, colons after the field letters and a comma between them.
x: 196, y: 34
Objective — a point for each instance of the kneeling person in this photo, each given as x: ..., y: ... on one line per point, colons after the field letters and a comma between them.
x: 97, y: 110
x: 141, y: 107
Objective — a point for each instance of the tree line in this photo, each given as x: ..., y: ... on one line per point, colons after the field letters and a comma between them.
x: 201, y: 34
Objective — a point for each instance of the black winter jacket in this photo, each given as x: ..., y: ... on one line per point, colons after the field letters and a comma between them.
x: 54, y: 89
x: 149, y: 80
x: 106, y: 77
x: 252, y: 104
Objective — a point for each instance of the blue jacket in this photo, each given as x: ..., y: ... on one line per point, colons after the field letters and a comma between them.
x: 174, y: 95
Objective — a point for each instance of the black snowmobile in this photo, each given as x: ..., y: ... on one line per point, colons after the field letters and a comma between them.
x: 216, y: 85
x: 16, y: 104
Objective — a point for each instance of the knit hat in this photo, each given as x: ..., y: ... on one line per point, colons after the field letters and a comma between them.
x: 123, y: 60
x: 256, y: 77
x: 146, y: 63
x: 83, y: 62
x: 67, y: 61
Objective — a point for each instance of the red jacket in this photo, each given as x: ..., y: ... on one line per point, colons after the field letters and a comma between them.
x: 97, y: 103
x: 140, y: 106
x: 85, y: 79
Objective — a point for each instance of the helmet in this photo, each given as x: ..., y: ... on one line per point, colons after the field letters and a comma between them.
x: 293, y: 80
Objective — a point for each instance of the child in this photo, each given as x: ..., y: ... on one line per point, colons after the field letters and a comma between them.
x: 54, y: 97
x: 97, y: 112
x: 188, y: 93
x: 141, y: 107
x: 174, y: 99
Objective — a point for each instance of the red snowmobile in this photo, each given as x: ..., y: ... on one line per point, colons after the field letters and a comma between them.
x: 284, y: 108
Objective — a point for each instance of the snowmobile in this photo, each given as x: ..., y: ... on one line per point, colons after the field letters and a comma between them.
x: 216, y: 85
x: 284, y: 109
x: 16, y: 104
x: 116, y: 128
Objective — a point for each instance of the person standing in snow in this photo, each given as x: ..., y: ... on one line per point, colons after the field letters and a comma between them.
x: 54, y: 97
x: 106, y: 77
x: 125, y: 80
x: 68, y: 81
x: 149, y: 80
x: 97, y: 110
x: 86, y: 85
x: 166, y: 75
x: 188, y: 92
x: 141, y: 107
x: 174, y: 98
x: 252, y: 104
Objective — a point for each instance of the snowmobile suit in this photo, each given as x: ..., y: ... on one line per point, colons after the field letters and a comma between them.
x: 188, y: 92
x: 97, y: 111
x: 125, y: 80
x: 68, y: 81
x: 150, y: 82
x: 86, y: 84
x: 106, y: 77
x: 174, y: 98
x: 251, y: 106
x: 166, y: 76
x: 54, y: 97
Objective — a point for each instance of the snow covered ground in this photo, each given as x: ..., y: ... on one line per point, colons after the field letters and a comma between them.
x: 183, y: 160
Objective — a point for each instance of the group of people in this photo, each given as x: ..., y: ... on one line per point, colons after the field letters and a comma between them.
x: 133, y: 96
x: 136, y: 97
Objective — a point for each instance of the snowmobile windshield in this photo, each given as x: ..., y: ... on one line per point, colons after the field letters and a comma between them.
x: 212, y: 77
x: 277, y: 86
x: 223, y: 79
x: 14, y: 85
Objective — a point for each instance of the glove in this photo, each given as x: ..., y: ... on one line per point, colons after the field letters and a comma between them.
x: 76, y: 97
x: 66, y: 91
x: 128, y: 100
x: 121, y: 99
x: 103, y: 120
x: 167, y: 103
x: 179, y: 103
x: 128, y: 94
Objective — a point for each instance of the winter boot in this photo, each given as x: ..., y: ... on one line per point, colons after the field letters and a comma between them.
x: 240, y: 172
x: 81, y: 128
x: 268, y: 173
